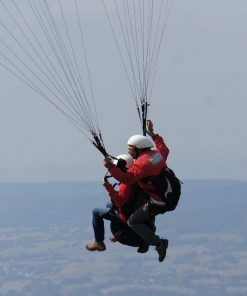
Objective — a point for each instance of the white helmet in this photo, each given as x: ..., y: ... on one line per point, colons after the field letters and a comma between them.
x: 129, y: 160
x: 140, y: 142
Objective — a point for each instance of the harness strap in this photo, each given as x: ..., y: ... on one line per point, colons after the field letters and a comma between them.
x: 169, y: 188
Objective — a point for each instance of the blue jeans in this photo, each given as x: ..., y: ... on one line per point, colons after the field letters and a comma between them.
x: 99, y: 214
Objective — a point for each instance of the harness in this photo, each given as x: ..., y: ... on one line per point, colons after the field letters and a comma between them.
x: 169, y: 188
x: 163, y: 190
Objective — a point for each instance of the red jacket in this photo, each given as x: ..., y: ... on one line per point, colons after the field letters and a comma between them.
x: 149, y: 163
x: 120, y: 197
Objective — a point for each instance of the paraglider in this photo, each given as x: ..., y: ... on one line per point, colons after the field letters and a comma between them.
x: 37, y: 45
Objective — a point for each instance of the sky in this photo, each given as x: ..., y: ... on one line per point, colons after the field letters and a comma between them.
x: 198, y: 103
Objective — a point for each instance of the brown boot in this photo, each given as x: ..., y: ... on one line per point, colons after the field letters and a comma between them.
x: 96, y: 246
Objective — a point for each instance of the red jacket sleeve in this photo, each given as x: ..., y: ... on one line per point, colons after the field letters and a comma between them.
x: 161, y: 145
x: 121, y: 196
x: 149, y: 163
x: 133, y: 174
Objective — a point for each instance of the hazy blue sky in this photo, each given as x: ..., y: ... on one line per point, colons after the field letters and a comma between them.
x: 199, y: 102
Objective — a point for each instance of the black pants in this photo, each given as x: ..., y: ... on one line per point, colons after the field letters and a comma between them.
x: 137, y: 222
x: 125, y: 234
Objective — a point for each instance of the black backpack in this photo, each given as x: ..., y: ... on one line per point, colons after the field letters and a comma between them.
x: 160, y: 184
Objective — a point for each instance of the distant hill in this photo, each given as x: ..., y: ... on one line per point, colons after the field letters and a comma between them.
x: 212, y: 205
x: 46, y: 204
x: 72, y: 202
x: 44, y: 227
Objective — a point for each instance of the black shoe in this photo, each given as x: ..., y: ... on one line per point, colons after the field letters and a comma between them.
x: 143, y: 248
x: 161, y: 249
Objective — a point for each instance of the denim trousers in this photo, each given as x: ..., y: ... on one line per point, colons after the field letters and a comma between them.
x: 99, y: 214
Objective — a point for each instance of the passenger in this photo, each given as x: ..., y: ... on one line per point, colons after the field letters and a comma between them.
x: 117, y: 211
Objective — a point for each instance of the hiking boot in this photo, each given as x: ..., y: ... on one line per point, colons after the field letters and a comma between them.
x: 113, y: 238
x: 96, y: 246
x: 143, y: 248
x: 161, y: 249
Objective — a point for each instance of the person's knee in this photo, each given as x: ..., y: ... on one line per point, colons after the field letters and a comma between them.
x: 132, y: 221
x: 129, y: 222
x: 139, y: 216
x: 96, y: 212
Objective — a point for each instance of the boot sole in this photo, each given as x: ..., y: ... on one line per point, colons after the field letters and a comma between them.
x: 92, y: 250
x: 166, y: 243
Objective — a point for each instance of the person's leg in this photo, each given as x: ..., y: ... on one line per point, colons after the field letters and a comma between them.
x: 109, y: 204
x: 124, y: 234
x: 99, y: 214
x: 136, y: 223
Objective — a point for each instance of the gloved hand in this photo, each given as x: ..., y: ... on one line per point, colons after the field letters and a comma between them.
x: 150, y: 127
x: 108, y: 162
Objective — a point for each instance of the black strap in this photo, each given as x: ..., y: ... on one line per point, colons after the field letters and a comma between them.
x: 144, y: 108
